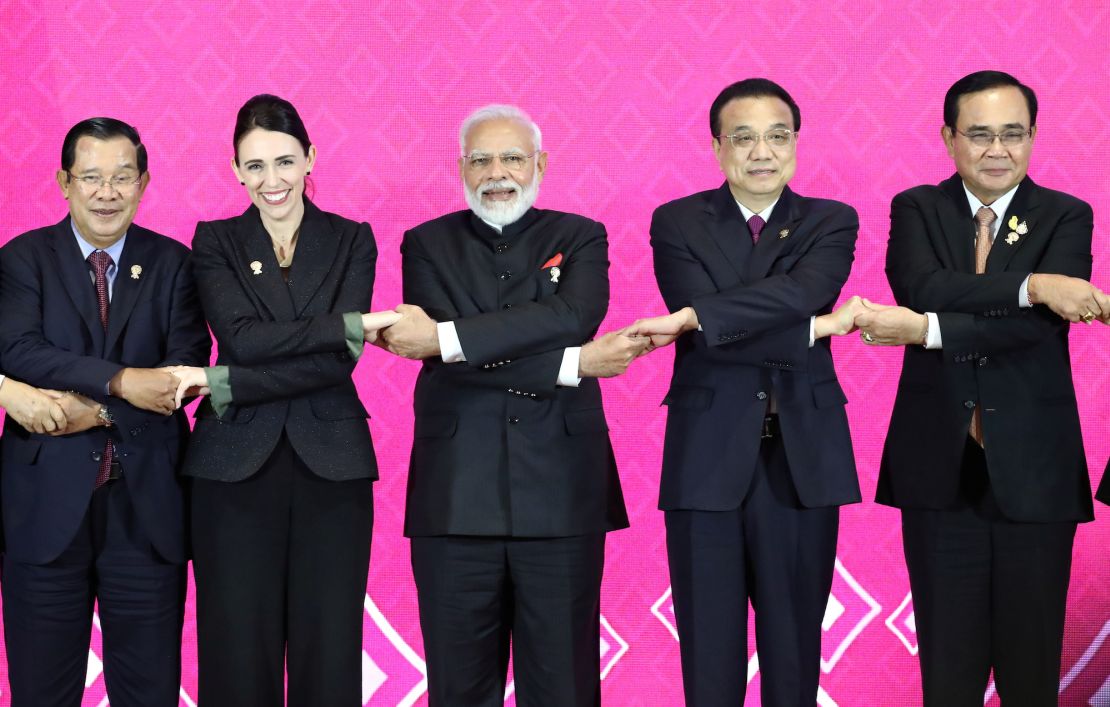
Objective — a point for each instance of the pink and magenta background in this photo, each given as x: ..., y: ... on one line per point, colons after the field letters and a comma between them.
x: 621, y: 91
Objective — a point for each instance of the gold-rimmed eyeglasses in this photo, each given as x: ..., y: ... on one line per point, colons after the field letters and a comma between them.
x: 512, y: 161
x: 985, y: 138
x: 92, y: 183
x: 775, y: 139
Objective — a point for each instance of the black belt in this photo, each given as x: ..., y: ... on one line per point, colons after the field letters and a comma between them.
x: 770, y: 426
x: 115, y: 471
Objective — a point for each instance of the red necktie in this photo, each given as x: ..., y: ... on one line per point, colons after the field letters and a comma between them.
x: 755, y: 225
x: 984, y: 217
x: 100, y: 262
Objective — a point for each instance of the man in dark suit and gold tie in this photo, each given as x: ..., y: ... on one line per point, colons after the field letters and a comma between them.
x: 96, y: 304
x: 512, y: 483
x: 984, y: 453
x: 757, y: 457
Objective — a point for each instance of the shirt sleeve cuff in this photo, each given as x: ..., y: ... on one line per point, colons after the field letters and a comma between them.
x: 812, y: 331
x: 352, y: 331
x: 1023, y: 292
x: 568, y: 370
x: 450, y: 348
x: 219, y: 386
x: 932, y: 339
x: 2, y: 377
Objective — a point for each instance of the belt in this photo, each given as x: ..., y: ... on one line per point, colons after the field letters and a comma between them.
x: 770, y: 426
x: 115, y: 471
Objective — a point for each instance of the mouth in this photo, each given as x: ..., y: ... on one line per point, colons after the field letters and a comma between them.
x: 996, y: 171
x: 275, y: 197
x: 499, y: 194
x: 105, y: 213
x: 760, y: 173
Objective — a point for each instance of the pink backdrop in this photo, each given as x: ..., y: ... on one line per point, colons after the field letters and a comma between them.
x: 621, y: 90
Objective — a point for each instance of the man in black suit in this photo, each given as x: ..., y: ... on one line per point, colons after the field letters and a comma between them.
x: 984, y: 454
x: 757, y: 456
x: 512, y: 484
x: 95, y: 304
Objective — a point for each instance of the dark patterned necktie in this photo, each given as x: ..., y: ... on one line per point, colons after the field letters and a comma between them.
x: 755, y: 225
x: 100, y: 262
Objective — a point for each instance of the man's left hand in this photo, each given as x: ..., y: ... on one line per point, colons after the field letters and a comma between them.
x: 81, y: 412
x: 665, y: 329
x: 415, y: 336
x: 883, y: 325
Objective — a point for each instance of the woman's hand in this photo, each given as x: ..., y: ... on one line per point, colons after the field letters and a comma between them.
x: 192, y: 380
x: 374, y: 322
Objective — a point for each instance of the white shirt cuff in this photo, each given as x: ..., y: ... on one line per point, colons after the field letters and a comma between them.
x: 450, y: 348
x: 568, y: 370
x: 2, y: 377
x: 812, y: 331
x: 932, y: 339
x: 1023, y: 292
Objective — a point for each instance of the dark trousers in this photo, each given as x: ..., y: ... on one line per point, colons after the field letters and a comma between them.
x: 772, y: 551
x: 987, y: 592
x: 280, y: 563
x: 477, y: 593
x: 140, y: 600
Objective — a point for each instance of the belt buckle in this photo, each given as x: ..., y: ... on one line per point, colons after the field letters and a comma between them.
x: 115, y: 471
x: 767, y: 432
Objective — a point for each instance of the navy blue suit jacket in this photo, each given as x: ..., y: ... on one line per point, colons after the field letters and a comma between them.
x: 52, y: 338
x: 754, y: 304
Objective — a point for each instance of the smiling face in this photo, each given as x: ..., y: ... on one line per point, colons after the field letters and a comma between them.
x: 272, y: 167
x: 989, y: 172
x: 498, y: 192
x: 102, y: 212
x: 757, y: 175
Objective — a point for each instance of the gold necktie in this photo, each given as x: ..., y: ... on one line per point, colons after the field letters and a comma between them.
x: 984, y: 217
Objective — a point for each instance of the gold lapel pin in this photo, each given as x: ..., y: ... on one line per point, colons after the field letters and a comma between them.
x: 256, y: 267
x: 136, y: 270
x: 784, y: 233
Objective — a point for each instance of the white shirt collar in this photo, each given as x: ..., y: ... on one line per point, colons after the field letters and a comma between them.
x: 765, y: 214
x: 999, y: 206
x: 115, y: 250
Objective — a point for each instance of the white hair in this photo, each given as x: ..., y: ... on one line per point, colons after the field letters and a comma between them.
x: 498, y: 111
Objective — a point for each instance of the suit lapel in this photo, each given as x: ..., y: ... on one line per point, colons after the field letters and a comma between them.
x: 1023, y: 207
x: 254, y: 246
x: 784, y: 217
x: 957, y: 224
x: 317, y: 246
x: 125, y: 288
x: 728, y: 231
x: 75, y: 278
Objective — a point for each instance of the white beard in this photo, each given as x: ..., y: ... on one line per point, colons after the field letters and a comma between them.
x: 502, y: 213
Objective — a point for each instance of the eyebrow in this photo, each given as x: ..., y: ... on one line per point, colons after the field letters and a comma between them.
x: 262, y: 161
x: 95, y: 170
x: 775, y: 126
x: 1007, y: 126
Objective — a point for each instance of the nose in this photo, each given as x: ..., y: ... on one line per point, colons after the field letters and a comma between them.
x: 760, y: 150
x: 996, y: 148
x: 496, y: 169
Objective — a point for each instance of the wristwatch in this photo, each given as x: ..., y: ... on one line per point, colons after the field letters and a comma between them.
x: 105, y: 416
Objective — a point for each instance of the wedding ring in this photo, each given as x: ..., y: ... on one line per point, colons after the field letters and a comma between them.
x: 867, y: 337
x: 1088, y: 317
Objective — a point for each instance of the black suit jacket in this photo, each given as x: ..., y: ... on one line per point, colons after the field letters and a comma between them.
x: 754, y: 305
x: 1104, y: 486
x: 498, y: 447
x: 1011, y: 362
x: 52, y: 338
x: 285, y: 346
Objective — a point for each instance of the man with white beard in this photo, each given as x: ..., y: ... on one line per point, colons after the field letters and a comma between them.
x: 512, y: 483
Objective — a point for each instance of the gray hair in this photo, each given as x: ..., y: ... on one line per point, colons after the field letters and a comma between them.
x: 498, y: 111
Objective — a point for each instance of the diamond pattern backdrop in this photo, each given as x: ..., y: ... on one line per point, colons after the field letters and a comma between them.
x: 621, y: 90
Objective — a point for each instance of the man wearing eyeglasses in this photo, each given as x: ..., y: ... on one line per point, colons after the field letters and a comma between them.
x: 984, y: 453
x: 95, y: 305
x: 512, y: 484
x: 757, y: 456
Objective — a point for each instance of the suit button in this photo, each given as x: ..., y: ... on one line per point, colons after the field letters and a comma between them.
x: 761, y: 395
x: 506, y: 306
x: 502, y: 247
x: 95, y: 456
x: 969, y: 404
x: 983, y: 361
x: 513, y: 420
x: 505, y: 275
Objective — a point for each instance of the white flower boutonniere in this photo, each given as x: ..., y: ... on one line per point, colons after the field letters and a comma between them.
x: 1017, y: 230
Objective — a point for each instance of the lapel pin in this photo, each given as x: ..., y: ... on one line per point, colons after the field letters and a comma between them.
x: 784, y: 233
x: 136, y: 270
x: 555, y: 272
x: 256, y: 267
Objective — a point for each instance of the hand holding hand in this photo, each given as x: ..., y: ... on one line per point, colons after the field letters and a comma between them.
x: 840, y: 321
x: 1071, y: 298
x: 191, y: 381
x: 884, y: 325
x: 665, y: 329
x: 81, y: 413
x: 152, y: 389
x: 611, y: 354
x: 413, y: 336
x: 35, y: 410
x: 374, y: 322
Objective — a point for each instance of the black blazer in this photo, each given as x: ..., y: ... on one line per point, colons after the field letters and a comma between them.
x: 498, y: 448
x: 1009, y: 361
x: 285, y: 346
x: 52, y: 338
x: 754, y: 305
x: 1104, y: 487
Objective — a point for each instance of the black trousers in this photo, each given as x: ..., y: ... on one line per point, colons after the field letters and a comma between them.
x: 776, y: 553
x: 987, y: 593
x: 544, y: 594
x: 140, y: 600
x: 280, y: 562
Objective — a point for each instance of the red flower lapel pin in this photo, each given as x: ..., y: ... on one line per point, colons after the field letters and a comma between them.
x: 554, y: 262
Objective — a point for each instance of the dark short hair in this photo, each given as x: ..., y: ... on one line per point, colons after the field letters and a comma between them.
x: 269, y: 113
x: 751, y: 88
x: 101, y: 129
x: 982, y: 81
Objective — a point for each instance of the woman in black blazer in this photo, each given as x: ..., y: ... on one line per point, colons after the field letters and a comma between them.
x: 281, y: 457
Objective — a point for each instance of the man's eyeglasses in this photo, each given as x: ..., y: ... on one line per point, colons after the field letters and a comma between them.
x: 985, y: 138
x: 512, y: 161
x: 91, y: 183
x: 776, y: 139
